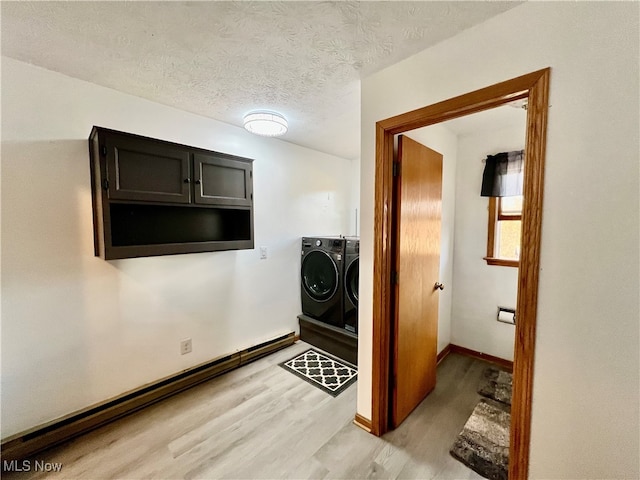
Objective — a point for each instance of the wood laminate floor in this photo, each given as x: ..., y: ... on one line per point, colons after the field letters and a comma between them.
x: 261, y: 421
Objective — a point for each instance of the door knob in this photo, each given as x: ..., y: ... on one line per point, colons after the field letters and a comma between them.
x: 438, y: 286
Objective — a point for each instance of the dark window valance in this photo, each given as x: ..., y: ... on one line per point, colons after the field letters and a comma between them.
x: 502, y: 175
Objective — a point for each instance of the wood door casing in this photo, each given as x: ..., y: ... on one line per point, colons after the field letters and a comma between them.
x: 535, y: 87
x: 417, y: 262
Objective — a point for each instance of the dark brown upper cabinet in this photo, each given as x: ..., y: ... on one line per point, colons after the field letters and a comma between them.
x: 152, y: 197
x: 147, y: 170
x: 221, y: 181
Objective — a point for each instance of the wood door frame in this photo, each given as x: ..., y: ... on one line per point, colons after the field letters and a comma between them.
x: 535, y: 87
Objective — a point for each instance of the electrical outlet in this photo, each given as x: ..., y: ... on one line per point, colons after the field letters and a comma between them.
x: 263, y: 253
x: 185, y: 346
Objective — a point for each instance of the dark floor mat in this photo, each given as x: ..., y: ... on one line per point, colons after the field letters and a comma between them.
x: 483, y: 444
x: 498, y: 385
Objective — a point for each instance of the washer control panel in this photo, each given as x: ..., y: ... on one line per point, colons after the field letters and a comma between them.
x: 328, y: 244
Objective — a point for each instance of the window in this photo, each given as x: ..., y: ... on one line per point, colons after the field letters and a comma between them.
x: 505, y: 222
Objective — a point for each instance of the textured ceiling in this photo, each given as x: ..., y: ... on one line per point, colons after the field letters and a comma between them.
x: 223, y: 59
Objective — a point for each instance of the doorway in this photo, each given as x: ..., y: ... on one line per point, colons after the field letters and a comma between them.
x: 534, y: 87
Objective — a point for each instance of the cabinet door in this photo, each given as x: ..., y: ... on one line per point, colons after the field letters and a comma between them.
x: 222, y: 181
x: 141, y: 169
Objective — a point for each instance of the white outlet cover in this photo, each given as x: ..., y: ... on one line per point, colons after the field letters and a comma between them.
x: 186, y: 346
x: 263, y: 253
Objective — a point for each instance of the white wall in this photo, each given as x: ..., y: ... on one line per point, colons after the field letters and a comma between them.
x: 478, y: 288
x: 585, y: 411
x: 354, y: 187
x: 77, y: 330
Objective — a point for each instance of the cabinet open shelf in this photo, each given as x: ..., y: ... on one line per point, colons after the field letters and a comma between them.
x: 135, y: 224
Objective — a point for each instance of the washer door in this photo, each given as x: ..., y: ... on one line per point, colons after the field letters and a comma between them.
x: 319, y: 276
x: 351, y: 281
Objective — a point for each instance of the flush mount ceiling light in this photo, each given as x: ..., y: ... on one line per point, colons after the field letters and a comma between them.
x: 267, y: 124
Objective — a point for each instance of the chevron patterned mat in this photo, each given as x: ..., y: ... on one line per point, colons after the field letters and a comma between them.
x: 322, y: 370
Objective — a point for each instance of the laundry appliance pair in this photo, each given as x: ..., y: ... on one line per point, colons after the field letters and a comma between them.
x: 329, y: 280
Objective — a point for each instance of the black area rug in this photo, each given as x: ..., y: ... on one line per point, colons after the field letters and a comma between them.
x: 322, y: 370
x: 483, y: 444
x: 498, y: 385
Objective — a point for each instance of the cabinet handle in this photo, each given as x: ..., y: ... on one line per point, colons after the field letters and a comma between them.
x: 197, y: 182
x: 187, y: 180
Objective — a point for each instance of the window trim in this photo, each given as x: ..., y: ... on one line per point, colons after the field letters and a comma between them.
x: 494, y: 217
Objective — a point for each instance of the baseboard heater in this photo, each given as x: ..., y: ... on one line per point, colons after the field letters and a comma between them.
x: 43, y: 437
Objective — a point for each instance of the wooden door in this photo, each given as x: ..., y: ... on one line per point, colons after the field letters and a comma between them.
x: 417, y: 263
